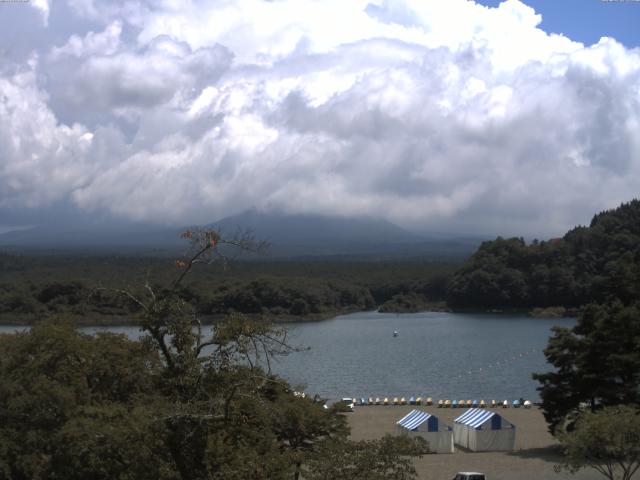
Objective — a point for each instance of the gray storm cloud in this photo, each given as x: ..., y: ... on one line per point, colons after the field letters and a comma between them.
x: 434, y: 115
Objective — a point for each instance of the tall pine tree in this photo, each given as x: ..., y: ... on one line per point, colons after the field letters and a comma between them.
x: 597, y: 362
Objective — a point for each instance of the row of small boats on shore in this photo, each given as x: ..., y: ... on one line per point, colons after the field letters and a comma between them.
x: 440, y: 403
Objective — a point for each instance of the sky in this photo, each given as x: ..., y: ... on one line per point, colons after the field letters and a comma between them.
x: 492, y: 118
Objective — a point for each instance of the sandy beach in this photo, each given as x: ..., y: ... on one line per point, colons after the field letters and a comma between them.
x: 534, y: 456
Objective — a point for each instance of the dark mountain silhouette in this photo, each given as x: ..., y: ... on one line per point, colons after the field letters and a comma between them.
x: 287, y: 235
x: 100, y: 235
x: 279, y: 227
x: 321, y: 236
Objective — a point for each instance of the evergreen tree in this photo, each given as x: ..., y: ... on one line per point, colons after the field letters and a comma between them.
x: 597, y: 362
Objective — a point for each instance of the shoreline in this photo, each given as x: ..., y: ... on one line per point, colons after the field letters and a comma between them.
x: 98, y: 320
x: 102, y: 320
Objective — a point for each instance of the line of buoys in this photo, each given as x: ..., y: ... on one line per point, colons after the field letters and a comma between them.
x: 498, y: 363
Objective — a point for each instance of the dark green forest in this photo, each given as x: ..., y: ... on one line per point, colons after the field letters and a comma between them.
x: 594, y: 263
x: 34, y: 287
x: 596, y: 363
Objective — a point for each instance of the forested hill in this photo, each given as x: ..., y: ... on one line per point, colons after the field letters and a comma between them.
x: 588, y: 264
x: 33, y: 288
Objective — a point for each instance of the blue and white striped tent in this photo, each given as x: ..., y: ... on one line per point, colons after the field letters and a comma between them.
x: 417, y: 418
x: 427, y: 426
x: 483, y: 430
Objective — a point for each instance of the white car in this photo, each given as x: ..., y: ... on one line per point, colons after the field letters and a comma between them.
x: 349, y: 403
x: 469, y: 476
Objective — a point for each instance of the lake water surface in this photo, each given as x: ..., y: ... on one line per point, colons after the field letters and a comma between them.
x: 442, y: 355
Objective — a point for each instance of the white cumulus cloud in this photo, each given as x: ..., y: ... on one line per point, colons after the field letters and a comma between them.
x: 435, y: 115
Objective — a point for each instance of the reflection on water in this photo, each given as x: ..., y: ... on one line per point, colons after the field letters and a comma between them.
x: 442, y: 355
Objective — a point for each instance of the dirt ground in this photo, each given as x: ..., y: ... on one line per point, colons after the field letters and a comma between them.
x: 534, y: 456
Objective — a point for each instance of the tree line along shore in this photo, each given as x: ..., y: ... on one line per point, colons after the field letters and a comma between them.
x: 35, y: 287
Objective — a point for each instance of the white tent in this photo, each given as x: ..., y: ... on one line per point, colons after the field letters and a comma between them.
x: 419, y: 423
x: 482, y: 430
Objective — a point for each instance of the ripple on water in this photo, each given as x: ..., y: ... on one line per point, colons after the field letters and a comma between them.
x: 442, y: 355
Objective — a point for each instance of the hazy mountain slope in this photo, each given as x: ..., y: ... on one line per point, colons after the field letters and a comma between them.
x: 314, y: 235
x: 313, y: 228
x: 288, y: 236
x: 97, y: 236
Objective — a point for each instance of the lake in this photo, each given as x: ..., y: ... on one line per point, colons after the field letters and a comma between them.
x: 436, y: 354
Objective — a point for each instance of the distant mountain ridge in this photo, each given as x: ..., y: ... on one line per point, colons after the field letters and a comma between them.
x: 306, y: 235
x: 288, y: 236
x: 99, y: 237
x: 313, y: 228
